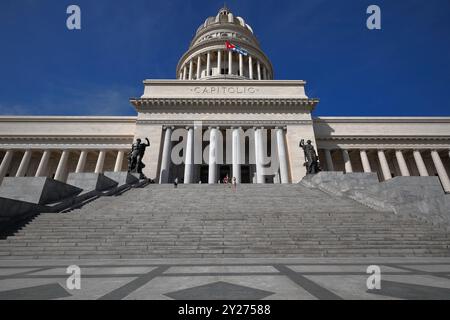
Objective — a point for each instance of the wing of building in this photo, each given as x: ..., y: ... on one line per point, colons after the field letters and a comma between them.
x: 224, y: 114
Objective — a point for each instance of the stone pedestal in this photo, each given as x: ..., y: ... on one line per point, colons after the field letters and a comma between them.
x: 91, y: 181
x: 37, y: 190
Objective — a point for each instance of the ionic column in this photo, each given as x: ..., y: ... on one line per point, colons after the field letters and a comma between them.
x: 329, y: 159
x: 384, y: 165
x: 423, y: 172
x: 43, y: 164
x: 250, y: 67
x: 402, y: 163
x: 219, y: 62
x: 365, y: 161
x: 347, y: 163
x: 189, y: 160
x: 6, y: 162
x: 184, y: 72
x: 199, y: 64
x: 442, y: 173
x: 191, y: 67
x: 265, y: 72
x: 230, y: 62
x: 213, y: 145
x: 119, y: 161
x: 208, y: 63
x: 241, y: 65
x: 62, y: 164
x: 81, y: 161
x: 23, y: 167
x: 258, y: 69
x: 165, y: 159
x: 100, y: 161
x: 259, y: 156
x: 282, y: 156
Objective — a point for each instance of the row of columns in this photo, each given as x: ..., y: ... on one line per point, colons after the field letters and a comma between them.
x: 187, y: 72
x: 237, y: 155
x: 62, y: 163
x: 385, y: 170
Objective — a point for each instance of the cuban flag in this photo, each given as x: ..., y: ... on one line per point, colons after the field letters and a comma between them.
x: 235, y: 48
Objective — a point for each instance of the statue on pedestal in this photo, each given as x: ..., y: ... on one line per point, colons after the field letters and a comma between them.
x: 312, y: 160
x: 135, y: 163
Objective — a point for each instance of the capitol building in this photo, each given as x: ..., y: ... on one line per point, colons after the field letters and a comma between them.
x: 224, y: 113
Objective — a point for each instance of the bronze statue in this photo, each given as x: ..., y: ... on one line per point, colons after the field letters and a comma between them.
x: 312, y: 161
x: 135, y: 163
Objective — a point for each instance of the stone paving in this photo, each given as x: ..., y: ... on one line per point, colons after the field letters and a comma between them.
x: 223, y: 279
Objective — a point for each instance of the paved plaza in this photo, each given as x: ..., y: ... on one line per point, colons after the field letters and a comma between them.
x: 226, y: 279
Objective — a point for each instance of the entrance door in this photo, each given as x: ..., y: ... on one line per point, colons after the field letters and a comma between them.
x: 245, y: 174
x: 204, y: 173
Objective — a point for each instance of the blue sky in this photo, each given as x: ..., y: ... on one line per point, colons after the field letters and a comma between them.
x: 401, y: 70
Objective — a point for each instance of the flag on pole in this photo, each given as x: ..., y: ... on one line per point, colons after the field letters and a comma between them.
x: 235, y: 48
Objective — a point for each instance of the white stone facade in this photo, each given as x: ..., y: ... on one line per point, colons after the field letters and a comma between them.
x: 232, y: 103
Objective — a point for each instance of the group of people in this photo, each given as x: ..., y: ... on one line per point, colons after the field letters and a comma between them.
x: 225, y: 180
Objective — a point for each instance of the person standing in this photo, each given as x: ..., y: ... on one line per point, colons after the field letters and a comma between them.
x: 234, y: 184
x: 175, y: 183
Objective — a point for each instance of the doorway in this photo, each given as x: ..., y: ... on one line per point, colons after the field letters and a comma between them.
x: 245, y: 174
x: 224, y: 170
x: 204, y: 169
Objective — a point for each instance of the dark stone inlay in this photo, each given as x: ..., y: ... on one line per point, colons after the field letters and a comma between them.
x: 219, y: 291
x: 410, y: 291
x: 130, y: 287
x: 417, y: 271
x: 43, y: 292
x: 310, y: 286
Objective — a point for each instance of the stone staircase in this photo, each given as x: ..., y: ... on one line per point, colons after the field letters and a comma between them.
x: 195, y: 221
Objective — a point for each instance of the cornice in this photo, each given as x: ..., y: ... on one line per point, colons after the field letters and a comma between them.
x: 244, y: 123
x: 383, y: 138
x: 65, y: 138
x: 327, y: 120
x: 203, y: 82
x: 111, y: 119
x: 142, y: 103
